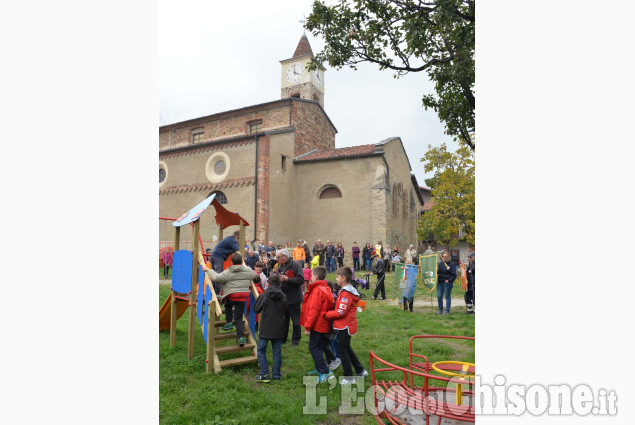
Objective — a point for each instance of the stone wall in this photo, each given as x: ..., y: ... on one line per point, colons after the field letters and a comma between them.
x: 347, y: 219
x: 402, y: 216
x: 305, y: 90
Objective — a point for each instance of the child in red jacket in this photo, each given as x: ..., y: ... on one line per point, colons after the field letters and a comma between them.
x: 318, y: 300
x: 345, y: 322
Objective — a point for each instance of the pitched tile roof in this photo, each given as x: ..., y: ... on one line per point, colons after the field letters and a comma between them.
x: 304, y: 48
x: 427, y: 206
x: 353, y: 151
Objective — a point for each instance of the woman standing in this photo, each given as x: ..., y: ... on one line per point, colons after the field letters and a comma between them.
x: 367, y: 256
x: 339, y: 252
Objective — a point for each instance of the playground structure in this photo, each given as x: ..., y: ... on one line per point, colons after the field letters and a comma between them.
x: 439, y: 393
x: 191, y: 287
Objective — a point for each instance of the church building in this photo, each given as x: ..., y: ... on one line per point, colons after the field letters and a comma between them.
x: 277, y: 166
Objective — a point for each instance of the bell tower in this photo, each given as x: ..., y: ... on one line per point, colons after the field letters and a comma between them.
x: 296, y: 80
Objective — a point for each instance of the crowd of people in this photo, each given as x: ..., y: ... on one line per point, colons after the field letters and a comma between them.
x: 293, y: 292
x: 289, y: 295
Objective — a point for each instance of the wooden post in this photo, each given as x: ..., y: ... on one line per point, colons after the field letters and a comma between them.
x: 177, y: 240
x: 220, y: 234
x: 213, y: 362
x: 241, y: 239
x: 195, y: 253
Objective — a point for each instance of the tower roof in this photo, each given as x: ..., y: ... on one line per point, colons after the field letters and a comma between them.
x: 304, y: 48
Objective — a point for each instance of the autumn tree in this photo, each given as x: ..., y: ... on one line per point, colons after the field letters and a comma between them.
x: 451, y: 218
x: 435, y: 36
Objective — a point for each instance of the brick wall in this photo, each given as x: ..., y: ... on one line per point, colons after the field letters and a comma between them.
x: 262, y: 233
x: 313, y: 129
x: 306, y: 91
x: 224, y: 125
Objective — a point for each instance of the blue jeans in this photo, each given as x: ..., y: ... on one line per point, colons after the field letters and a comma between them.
x: 443, y: 287
x: 276, y: 346
x: 368, y: 264
x: 331, y: 264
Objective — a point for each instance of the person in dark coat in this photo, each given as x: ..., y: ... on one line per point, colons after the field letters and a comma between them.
x: 292, y: 279
x: 470, y: 293
x: 381, y: 275
x: 307, y: 252
x: 251, y: 259
x: 446, y: 273
x: 223, y: 250
x: 272, y: 306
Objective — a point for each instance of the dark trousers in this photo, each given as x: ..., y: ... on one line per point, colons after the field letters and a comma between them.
x: 406, y: 303
x: 329, y: 352
x: 340, y: 261
x: 293, y: 313
x: 356, y: 264
x: 237, y: 315
x: 217, y: 265
x: 317, y: 344
x: 166, y: 269
x: 346, y: 354
x: 469, y: 296
x: 380, y: 287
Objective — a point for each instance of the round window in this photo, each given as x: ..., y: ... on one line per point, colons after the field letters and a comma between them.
x: 163, y: 173
x: 219, y: 167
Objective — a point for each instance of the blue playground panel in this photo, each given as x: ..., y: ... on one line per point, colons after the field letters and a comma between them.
x: 252, y: 316
x: 199, y: 296
x: 208, y: 298
x: 182, y: 271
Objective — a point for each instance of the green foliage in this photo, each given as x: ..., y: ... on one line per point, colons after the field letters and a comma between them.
x: 407, y: 36
x: 453, y: 195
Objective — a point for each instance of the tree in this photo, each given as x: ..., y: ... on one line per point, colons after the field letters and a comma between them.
x: 436, y: 36
x: 453, y: 194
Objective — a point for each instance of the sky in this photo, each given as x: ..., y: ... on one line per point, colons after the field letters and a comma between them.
x: 219, y: 56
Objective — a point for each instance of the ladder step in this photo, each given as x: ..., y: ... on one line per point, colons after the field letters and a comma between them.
x: 219, y: 323
x: 236, y: 361
x: 233, y: 348
x: 226, y: 335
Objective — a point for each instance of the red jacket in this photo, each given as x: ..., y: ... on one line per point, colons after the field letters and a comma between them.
x: 345, y: 313
x: 318, y: 299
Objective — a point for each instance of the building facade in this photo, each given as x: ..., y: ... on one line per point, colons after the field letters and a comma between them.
x: 277, y: 166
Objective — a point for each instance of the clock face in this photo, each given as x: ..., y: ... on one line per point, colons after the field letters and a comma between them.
x: 295, y: 73
x: 317, y: 78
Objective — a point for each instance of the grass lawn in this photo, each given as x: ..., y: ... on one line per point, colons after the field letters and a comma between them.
x: 190, y: 396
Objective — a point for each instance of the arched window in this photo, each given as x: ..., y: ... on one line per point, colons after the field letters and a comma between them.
x: 396, y: 197
x: 297, y: 95
x: 330, y: 193
x: 220, y: 196
x: 405, y: 205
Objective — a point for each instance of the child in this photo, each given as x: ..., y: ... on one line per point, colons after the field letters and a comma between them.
x: 307, y: 275
x: 408, y: 295
x: 271, y: 305
x: 333, y: 343
x: 317, y: 301
x: 263, y: 279
x: 345, y: 322
x: 235, y: 282
x: 265, y: 266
